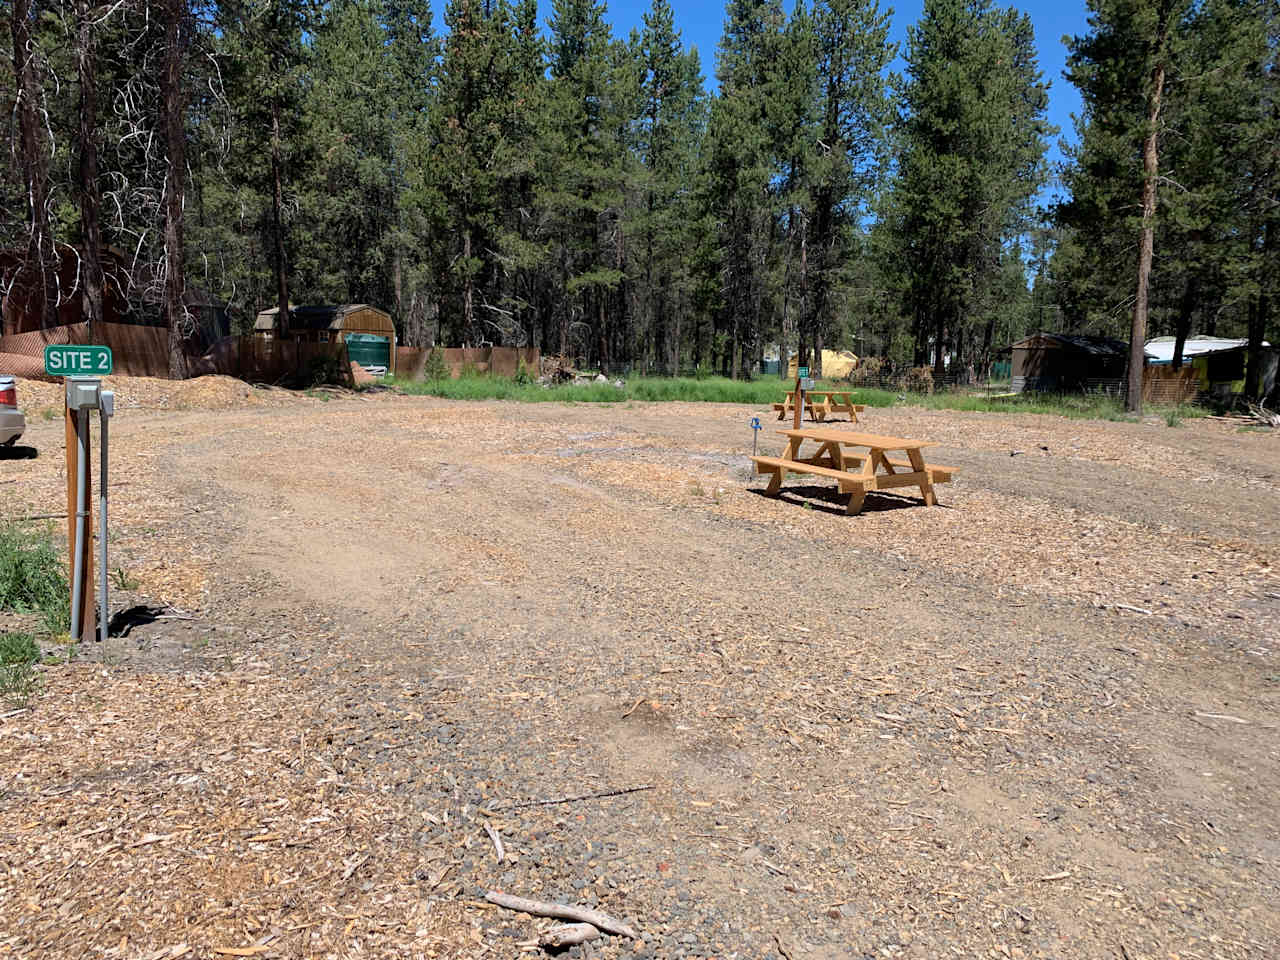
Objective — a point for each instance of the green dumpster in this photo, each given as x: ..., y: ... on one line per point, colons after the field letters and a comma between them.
x: 369, y: 350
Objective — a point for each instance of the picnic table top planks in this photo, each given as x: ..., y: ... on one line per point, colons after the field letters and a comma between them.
x: 853, y: 438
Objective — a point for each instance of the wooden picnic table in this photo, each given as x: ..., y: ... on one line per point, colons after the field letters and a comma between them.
x: 840, y: 455
x: 833, y: 401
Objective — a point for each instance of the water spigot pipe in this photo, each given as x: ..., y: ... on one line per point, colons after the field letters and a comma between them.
x: 104, y: 417
x: 82, y: 525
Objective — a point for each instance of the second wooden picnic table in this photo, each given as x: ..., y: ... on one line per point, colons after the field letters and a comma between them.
x: 840, y: 455
x: 832, y: 401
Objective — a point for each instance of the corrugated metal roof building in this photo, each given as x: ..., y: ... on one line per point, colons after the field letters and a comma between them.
x: 1220, y: 364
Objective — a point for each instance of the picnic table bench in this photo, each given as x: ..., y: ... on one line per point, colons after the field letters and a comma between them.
x: 841, y: 457
x: 834, y: 401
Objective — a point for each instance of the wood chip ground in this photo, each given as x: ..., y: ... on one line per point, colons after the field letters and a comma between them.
x: 1037, y: 721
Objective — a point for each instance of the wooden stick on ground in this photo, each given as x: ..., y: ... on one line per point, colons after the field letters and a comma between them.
x: 497, y: 842
x: 568, y: 935
x: 582, y: 796
x: 539, y: 908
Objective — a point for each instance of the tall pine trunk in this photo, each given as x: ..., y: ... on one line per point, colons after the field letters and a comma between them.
x: 90, y: 191
x: 1183, y: 323
x: 1146, y: 247
x: 277, y: 229
x: 40, y: 269
x: 175, y: 178
x: 1259, y: 312
x: 468, y: 288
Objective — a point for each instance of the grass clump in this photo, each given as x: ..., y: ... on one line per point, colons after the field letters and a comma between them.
x: 18, y: 648
x: 19, y: 681
x: 32, y: 578
x: 123, y: 581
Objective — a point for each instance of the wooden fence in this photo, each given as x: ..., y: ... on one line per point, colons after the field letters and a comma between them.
x: 502, y: 361
x: 137, y: 351
x: 258, y: 360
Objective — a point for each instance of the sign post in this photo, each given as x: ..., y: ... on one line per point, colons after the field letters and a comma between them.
x: 77, y: 360
x: 802, y: 376
x: 82, y: 365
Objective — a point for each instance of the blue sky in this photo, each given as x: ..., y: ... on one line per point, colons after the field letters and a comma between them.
x: 701, y: 24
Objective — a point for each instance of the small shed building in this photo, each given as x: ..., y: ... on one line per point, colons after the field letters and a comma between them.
x: 367, y: 331
x: 1067, y: 362
x: 836, y: 364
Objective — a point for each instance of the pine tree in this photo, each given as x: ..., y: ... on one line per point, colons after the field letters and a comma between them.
x: 853, y: 110
x: 412, y: 53
x: 667, y: 131
x: 1121, y: 69
x: 350, y: 131
x: 583, y: 188
x: 739, y: 159
x: 477, y: 83
x: 973, y: 142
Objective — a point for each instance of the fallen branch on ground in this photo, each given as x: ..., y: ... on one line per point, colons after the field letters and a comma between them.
x: 568, y: 935
x: 539, y: 908
x: 1263, y: 415
x: 497, y: 842
x: 1221, y: 716
x: 582, y: 796
x: 1131, y: 608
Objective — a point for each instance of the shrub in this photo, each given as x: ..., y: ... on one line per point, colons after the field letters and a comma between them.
x: 523, y: 376
x: 918, y: 380
x: 435, y: 368
x: 868, y: 370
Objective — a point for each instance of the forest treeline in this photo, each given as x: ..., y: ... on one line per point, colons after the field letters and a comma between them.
x: 523, y: 182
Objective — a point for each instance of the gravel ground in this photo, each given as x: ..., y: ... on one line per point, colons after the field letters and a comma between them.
x: 1038, y: 721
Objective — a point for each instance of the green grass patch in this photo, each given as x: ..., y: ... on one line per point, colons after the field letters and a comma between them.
x: 649, y: 389
x: 18, y: 648
x: 769, y: 390
x: 19, y: 680
x: 32, y: 577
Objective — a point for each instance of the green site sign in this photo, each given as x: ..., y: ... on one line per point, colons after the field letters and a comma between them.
x: 77, y: 360
x: 802, y: 372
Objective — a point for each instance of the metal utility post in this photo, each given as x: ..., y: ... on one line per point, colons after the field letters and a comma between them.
x: 106, y: 409
x: 83, y: 394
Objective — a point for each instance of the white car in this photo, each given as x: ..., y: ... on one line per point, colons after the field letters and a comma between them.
x: 12, y: 423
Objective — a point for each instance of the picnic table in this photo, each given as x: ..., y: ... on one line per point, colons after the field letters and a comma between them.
x: 858, y: 462
x: 833, y: 401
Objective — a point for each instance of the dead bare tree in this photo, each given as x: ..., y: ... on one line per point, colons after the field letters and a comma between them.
x: 38, y: 277
x: 176, y: 37
x: 90, y: 188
